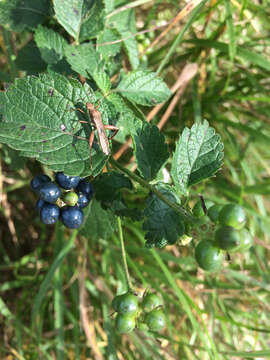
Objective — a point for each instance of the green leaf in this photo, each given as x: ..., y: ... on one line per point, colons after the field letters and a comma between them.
x: 62, y: 67
x: 11, y: 158
x: 40, y: 120
x: 17, y: 15
x: 125, y: 24
x: 144, y: 87
x: 150, y: 150
x: 198, y: 155
x: 130, y: 118
x: 119, y: 208
x: 85, y: 60
x: 162, y: 224
x: 98, y: 223
x: 107, y: 51
x: 109, y: 5
x: 29, y: 59
x: 81, y: 19
x: 93, y: 20
x: 107, y: 186
x: 51, y: 44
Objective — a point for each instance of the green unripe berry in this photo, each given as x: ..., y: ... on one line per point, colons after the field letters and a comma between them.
x: 146, y: 42
x: 213, y: 212
x: 198, y: 209
x: 150, y: 302
x: 246, y: 241
x: 125, y: 304
x: 232, y: 215
x: 208, y: 256
x: 140, y: 37
x: 227, y: 238
x: 155, y: 320
x: 125, y: 323
x: 70, y: 198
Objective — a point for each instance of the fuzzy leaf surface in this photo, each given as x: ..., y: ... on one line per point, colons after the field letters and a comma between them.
x: 81, y: 19
x: 162, y: 224
x: 51, y: 44
x: 151, y: 151
x: 129, y: 118
x: 144, y: 88
x: 98, y: 223
x: 198, y: 155
x: 125, y: 25
x: 40, y: 120
x: 85, y: 60
x: 107, y: 36
x: 93, y: 20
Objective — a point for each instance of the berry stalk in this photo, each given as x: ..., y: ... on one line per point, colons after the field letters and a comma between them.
x: 123, y: 251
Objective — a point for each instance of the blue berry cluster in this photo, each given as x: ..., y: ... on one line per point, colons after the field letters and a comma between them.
x: 66, y: 205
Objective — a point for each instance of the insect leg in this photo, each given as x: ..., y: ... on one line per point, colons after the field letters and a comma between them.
x: 91, y: 139
x: 112, y: 127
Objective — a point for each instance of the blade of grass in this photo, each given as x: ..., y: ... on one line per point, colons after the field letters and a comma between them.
x: 187, y: 303
x: 49, y: 276
x: 58, y: 297
x: 232, y: 40
x: 247, y: 55
x: 180, y: 36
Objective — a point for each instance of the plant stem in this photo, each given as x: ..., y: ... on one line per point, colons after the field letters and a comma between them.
x: 184, y: 213
x: 123, y: 250
x: 10, y: 54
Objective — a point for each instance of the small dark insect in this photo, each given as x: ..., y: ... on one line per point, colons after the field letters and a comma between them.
x: 51, y: 92
x: 22, y: 127
x: 203, y: 204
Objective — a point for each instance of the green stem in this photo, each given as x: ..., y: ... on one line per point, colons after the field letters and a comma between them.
x: 10, y: 54
x: 182, y: 212
x: 123, y: 250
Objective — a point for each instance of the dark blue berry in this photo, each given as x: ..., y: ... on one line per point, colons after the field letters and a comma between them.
x: 86, y: 188
x: 49, y: 213
x: 65, y: 181
x: 39, y: 204
x: 49, y: 192
x: 83, y: 200
x: 72, y: 216
x: 38, y: 181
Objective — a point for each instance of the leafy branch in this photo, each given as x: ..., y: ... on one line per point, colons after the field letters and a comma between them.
x: 181, y: 211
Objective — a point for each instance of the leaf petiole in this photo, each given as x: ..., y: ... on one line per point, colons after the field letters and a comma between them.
x: 123, y: 251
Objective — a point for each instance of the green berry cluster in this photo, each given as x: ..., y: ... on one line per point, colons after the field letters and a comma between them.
x: 230, y: 235
x: 144, y: 40
x: 130, y: 314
